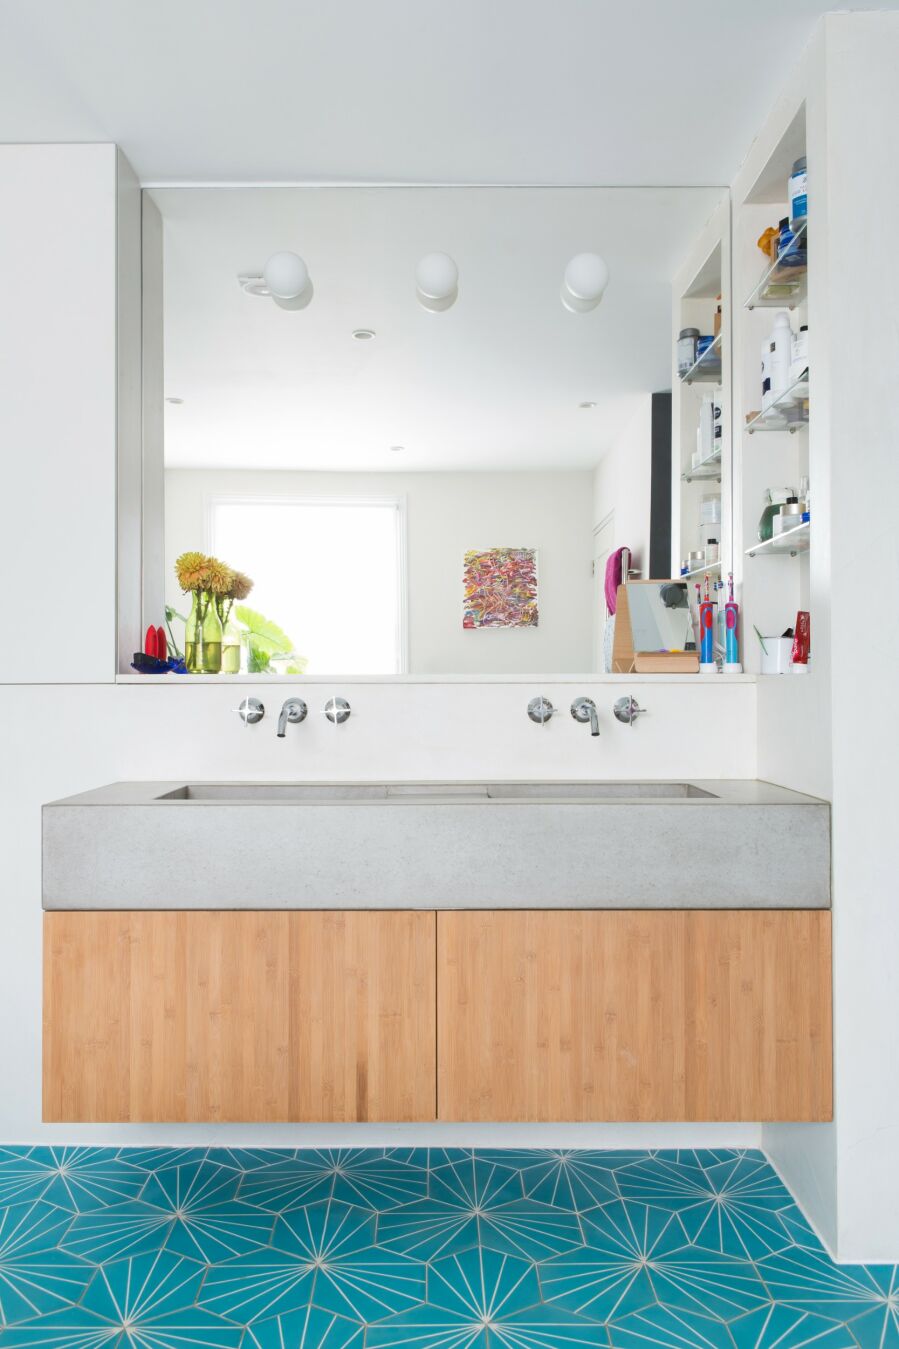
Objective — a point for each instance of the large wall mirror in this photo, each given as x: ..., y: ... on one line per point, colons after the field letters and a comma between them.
x: 422, y: 450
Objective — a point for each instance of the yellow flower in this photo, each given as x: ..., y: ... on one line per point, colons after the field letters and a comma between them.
x: 217, y: 577
x: 190, y: 568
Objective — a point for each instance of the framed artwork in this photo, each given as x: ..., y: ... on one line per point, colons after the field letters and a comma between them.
x: 500, y: 588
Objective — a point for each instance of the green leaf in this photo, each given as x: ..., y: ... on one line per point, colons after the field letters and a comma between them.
x: 265, y: 634
x: 258, y: 661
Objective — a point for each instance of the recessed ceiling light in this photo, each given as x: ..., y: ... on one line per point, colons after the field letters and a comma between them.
x: 395, y: 449
x: 176, y: 402
x: 586, y: 405
x: 364, y: 334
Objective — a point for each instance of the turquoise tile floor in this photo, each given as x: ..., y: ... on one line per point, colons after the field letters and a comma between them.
x: 167, y: 1248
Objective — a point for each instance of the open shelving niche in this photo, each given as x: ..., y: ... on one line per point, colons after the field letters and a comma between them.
x: 768, y: 452
x: 704, y: 275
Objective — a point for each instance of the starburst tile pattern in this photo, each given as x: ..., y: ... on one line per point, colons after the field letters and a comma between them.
x: 415, y: 1248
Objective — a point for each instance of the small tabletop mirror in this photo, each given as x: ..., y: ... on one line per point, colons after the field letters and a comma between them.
x: 654, y: 629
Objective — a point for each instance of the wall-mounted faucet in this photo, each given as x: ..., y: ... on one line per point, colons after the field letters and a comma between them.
x: 627, y: 710
x: 584, y: 709
x: 337, y: 711
x: 250, y: 711
x: 540, y: 709
x: 294, y: 710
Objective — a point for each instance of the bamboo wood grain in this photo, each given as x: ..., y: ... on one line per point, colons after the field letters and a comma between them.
x: 634, y: 1015
x: 240, y: 1016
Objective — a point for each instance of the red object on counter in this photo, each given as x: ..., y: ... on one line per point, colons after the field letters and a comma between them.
x: 150, y: 642
x: 162, y: 646
x: 802, y: 638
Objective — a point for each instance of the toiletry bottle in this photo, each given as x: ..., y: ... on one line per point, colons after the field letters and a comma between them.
x: 790, y: 250
x: 801, y: 643
x: 789, y: 516
x: 705, y: 442
x: 781, y: 354
x: 774, y: 499
x: 799, y: 357
x: 686, y: 350
x: 798, y: 190
x: 767, y: 395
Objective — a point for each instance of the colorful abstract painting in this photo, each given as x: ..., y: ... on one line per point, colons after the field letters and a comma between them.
x: 500, y: 588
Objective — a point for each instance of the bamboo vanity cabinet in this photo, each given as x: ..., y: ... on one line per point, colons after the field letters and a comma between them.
x: 468, y: 1015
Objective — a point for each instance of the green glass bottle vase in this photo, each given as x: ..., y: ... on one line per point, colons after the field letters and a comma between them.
x: 230, y: 649
x: 203, y: 636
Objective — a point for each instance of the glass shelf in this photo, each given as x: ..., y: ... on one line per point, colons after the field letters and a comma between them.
x: 708, y: 471
x: 793, y: 541
x: 788, y: 412
x: 782, y: 285
x: 699, y: 571
x: 707, y: 369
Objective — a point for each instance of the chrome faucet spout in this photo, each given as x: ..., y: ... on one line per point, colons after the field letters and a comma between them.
x: 584, y: 709
x: 294, y: 710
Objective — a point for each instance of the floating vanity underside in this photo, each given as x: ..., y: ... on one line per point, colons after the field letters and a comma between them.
x: 518, y: 952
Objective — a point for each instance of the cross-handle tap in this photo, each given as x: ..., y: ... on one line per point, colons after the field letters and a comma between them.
x: 584, y: 709
x: 294, y: 710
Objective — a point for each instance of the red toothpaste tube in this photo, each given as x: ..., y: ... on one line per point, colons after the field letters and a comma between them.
x: 801, y: 642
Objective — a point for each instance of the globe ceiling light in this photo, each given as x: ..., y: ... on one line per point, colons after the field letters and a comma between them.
x: 437, y: 282
x: 584, y: 283
x: 287, y: 279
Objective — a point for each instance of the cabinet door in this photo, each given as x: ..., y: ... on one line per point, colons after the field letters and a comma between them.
x: 634, y: 1015
x: 240, y: 1016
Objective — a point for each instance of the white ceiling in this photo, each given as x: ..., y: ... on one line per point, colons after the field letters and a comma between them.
x: 493, y: 383
x: 479, y: 91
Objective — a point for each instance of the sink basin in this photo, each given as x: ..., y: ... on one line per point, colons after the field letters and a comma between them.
x: 291, y: 792
x: 436, y: 845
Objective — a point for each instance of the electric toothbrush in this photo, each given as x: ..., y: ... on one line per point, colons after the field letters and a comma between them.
x: 707, y: 633
x: 731, y: 631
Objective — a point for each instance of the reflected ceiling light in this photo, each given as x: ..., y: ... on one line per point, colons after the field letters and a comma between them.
x: 586, y: 405
x: 437, y: 282
x: 285, y: 278
x: 585, y: 280
x: 364, y: 334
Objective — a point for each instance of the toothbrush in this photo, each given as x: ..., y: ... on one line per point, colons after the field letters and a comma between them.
x: 731, y: 624
x: 707, y: 632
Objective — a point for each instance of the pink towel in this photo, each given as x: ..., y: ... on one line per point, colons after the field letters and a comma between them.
x: 613, y: 579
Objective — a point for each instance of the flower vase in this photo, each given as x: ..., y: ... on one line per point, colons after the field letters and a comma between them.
x: 230, y: 649
x: 203, y: 636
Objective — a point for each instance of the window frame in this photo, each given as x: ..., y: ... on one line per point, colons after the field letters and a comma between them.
x: 399, y: 505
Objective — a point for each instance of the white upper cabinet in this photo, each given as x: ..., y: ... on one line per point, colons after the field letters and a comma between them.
x: 58, y: 410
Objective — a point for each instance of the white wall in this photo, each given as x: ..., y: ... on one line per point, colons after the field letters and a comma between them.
x: 623, y: 483
x: 832, y: 733
x: 864, y: 55
x: 446, y: 514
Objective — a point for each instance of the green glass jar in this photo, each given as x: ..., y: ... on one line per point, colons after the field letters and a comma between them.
x: 230, y: 649
x: 202, y: 636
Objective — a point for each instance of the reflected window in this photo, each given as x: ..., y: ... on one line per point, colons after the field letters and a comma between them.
x: 331, y: 573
